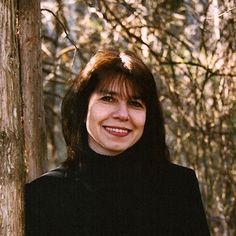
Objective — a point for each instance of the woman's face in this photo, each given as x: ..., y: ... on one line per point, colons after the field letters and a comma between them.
x: 114, y: 122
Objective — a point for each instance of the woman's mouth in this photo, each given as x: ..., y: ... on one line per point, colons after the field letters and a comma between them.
x: 117, y: 131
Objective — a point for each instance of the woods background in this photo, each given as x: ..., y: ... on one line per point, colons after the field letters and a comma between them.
x: 190, y: 46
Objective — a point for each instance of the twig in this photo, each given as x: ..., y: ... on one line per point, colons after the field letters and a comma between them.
x: 223, y: 13
x: 62, y: 25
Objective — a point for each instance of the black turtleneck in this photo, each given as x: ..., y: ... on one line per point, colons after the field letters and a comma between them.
x: 102, y: 169
x: 117, y: 187
x: 116, y: 196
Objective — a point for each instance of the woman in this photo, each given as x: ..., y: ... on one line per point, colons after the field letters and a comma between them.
x: 117, y: 178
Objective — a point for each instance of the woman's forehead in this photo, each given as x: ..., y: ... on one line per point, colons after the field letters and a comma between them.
x: 121, y: 85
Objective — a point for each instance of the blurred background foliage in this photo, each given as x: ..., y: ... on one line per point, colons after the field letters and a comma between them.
x: 190, y: 46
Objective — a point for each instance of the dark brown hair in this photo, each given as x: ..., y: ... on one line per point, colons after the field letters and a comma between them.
x: 103, y: 69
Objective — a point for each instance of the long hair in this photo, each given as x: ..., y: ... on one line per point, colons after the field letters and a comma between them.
x: 105, y: 68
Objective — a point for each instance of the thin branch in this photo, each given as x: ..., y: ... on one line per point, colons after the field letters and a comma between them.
x: 199, y: 65
x: 63, y: 26
x: 223, y: 13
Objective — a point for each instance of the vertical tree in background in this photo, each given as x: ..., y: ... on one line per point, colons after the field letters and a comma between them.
x: 31, y: 82
x: 21, y: 115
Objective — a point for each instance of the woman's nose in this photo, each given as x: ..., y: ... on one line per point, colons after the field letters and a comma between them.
x: 121, y: 112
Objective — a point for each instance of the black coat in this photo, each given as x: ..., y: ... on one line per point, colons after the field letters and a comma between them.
x: 108, y: 199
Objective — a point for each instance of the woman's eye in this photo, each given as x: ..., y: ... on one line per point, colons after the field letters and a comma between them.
x: 136, y: 104
x: 107, y: 98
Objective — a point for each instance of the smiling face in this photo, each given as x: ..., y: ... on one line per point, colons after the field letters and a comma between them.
x: 115, y: 120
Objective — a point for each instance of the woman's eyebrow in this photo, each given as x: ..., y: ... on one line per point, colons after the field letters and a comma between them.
x: 136, y: 97
x: 107, y: 91
x: 113, y: 93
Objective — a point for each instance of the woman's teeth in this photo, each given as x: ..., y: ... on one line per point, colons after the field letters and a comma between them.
x: 117, y: 130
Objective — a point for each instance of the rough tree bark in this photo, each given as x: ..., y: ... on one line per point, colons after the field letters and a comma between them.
x: 32, y: 91
x: 22, y: 142
x: 12, y: 172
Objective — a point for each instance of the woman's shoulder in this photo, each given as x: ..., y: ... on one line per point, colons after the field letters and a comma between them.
x: 178, y: 178
x: 52, y: 175
x: 178, y: 170
x: 49, y: 189
x: 50, y: 180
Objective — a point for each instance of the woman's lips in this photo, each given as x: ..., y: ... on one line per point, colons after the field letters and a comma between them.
x: 117, y: 131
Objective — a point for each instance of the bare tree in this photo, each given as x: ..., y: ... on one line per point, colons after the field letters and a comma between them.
x: 21, y: 115
x: 12, y: 171
x: 32, y: 87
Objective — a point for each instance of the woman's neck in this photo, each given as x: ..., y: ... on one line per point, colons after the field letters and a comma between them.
x: 111, y: 168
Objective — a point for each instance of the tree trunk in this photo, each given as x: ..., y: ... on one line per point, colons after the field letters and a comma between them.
x: 12, y: 171
x: 22, y: 133
x: 32, y: 91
